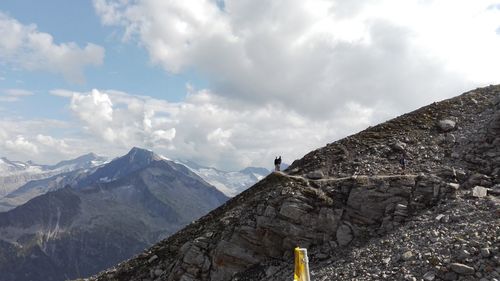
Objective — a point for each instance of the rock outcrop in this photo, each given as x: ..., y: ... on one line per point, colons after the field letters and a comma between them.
x: 360, y: 215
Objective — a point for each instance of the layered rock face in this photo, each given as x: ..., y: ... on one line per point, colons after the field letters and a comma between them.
x: 351, y: 198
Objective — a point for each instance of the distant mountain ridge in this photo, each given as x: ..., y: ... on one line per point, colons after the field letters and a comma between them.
x: 14, y: 174
x: 87, y: 169
x: 82, y: 162
x: 230, y: 183
x: 109, y: 213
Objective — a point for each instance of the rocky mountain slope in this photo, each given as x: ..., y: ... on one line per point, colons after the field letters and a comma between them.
x: 230, y: 183
x: 106, y: 216
x: 14, y: 174
x: 358, y: 213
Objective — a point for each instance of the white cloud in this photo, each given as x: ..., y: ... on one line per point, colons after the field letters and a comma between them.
x: 165, y: 136
x: 25, y: 47
x: 13, y: 95
x: 8, y: 99
x: 108, y: 10
x: 36, y: 140
x: 21, y: 145
x: 95, y: 108
x: 220, y: 137
x: 319, y: 56
x: 61, y: 93
x: 123, y: 119
x: 52, y: 142
x: 17, y: 92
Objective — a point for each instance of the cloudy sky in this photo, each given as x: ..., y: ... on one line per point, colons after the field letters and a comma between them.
x: 228, y: 83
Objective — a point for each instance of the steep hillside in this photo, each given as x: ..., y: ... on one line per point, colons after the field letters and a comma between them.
x: 105, y: 217
x: 360, y: 215
x: 444, y: 135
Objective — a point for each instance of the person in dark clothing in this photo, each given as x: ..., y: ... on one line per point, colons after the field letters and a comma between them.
x: 277, y: 164
x: 402, y: 161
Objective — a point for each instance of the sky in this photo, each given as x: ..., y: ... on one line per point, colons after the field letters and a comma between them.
x: 228, y: 83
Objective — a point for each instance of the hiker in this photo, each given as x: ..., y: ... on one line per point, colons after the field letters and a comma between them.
x: 276, y: 164
x: 402, y: 161
x: 279, y: 163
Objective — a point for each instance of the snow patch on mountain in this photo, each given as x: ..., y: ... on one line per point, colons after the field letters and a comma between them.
x: 15, y: 174
x: 230, y: 183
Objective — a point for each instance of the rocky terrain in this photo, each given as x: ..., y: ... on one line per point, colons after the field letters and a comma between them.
x: 105, y: 216
x: 453, y: 240
x: 359, y: 214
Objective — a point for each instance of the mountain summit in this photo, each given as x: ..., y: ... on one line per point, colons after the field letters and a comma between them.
x: 85, y: 161
x: 141, y: 155
x: 359, y: 213
x: 134, y: 160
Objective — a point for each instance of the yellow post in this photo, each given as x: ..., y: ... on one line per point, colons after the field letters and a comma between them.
x: 301, y: 265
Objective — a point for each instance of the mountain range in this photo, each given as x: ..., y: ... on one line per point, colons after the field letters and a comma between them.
x: 24, y: 181
x: 85, y: 220
x: 14, y: 174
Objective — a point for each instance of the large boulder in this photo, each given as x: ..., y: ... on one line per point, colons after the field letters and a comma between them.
x: 344, y: 235
x: 315, y: 175
x: 479, y: 191
x: 294, y: 210
x: 462, y: 269
x: 369, y: 205
x: 446, y: 125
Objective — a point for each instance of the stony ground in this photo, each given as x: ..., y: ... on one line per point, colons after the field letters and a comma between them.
x: 456, y: 240
x: 428, y: 147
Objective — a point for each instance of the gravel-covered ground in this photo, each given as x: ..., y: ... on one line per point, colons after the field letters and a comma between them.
x: 455, y: 240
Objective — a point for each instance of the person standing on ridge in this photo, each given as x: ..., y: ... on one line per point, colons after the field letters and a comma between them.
x: 277, y: 163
